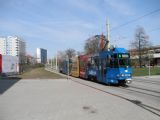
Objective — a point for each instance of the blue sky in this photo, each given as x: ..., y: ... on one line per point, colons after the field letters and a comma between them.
x: 60, y: 24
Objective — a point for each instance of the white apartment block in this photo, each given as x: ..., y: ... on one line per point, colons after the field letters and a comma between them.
x: 14, y: 46
x: 3, y: 45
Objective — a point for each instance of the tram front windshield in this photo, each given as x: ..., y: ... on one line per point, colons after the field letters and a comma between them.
x: 120, y: 60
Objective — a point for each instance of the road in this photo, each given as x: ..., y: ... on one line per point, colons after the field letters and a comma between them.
x: 79, y: 99
x: 143, y: 92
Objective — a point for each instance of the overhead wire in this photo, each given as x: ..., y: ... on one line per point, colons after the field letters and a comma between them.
x: 136, y: 19
x: 156, y: 29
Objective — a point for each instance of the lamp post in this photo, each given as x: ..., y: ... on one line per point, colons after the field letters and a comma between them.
x: 149, y: 61
x: 149, y: 67
x: 57, y: 61
x: 51, y: 62
x: 68, y: 66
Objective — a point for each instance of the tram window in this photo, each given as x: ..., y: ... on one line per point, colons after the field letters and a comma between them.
x: 92, y: 61
x: 124, y: 62
x: 96, y: 62
x: 112, y: 63
x: 129, y: 62
x: 81, y: 64
x: 89, y: 64
x: 116, y: 63
x: 115, y: 55
x: 104, y: 62
x: 107, y: 62
x: 123, y: 55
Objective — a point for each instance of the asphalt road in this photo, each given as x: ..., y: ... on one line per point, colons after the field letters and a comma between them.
x: 143, y: 92
x: 77, y: 99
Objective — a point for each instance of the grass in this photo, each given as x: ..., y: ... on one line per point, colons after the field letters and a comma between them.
x: 39, y: 73
x: 145, y: 71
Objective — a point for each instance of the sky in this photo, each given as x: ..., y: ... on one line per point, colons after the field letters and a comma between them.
x: 57, y: 25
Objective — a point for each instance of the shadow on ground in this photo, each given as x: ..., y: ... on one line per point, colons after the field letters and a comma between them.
x: 7, y: 82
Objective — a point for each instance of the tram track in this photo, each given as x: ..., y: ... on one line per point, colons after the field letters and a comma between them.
x: 151, y: 109
x: 149, y: 82
x: 139, y: 90
x: 145, y: 89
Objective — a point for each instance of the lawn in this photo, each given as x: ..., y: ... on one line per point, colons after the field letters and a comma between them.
x: 145, y: 71
x: 39, y: 73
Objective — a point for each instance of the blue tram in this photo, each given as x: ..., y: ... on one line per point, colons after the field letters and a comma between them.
x: 63, y: 66
x: 111, y: 67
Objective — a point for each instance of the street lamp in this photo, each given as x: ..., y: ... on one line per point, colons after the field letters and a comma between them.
x: 149, y: 57
x: 149, y: 67
x: 68, y: 67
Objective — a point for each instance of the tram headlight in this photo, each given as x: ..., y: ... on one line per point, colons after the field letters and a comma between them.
x: 120, y: 75
x: 128, y: 75
x: 123, y: 75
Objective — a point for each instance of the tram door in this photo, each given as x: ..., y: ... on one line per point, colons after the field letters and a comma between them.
x: 103, y: 70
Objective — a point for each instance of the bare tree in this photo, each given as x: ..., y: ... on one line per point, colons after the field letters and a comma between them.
x: 70, y: 52
x: 93, y: 44
x: 140, y: 43
x: 67, y: 53
x: 61, y: 55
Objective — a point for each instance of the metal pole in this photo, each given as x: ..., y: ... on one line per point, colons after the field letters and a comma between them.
x: 68, y: 67
x: 56, y: 61
x: 108, y: 34
x: 149, y: 66
x: 51, y: 64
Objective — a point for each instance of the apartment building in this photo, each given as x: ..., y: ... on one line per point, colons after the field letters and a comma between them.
x: 14, y: 46
x: 41, y: 55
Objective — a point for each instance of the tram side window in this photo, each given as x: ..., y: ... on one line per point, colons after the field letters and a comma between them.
x: 89, y: 64
x: 81, y: 64
x: 104, y: 63
x: 107, y: 63
x: 107, y: 60
x: 115, y: 55
x: 96, y: 62
x: 116, y: 65
x: 93, y: 64
x: 111, y: 63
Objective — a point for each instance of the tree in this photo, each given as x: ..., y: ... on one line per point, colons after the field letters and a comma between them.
x: 70, y: 52
x: 61, y: 55
x: 94, y: 45
x: 140, y: 43
x: 65, y: 54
